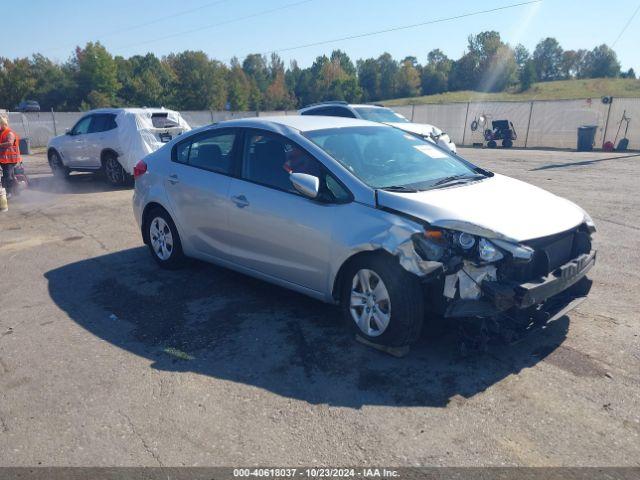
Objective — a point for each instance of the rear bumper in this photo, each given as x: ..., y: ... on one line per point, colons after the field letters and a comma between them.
x: 502, y: 296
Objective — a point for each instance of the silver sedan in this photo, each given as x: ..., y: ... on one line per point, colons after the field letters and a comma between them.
x: 347, y: 211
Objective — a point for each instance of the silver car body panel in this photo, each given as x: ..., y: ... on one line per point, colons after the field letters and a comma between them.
x: 302, y: 244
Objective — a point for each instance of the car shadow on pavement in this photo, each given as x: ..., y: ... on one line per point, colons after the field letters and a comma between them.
x: 218, y: 323
x: 582, y: 163
x: 77, y: 183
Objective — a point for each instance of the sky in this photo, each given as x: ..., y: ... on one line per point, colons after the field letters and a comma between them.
x: 227, y: 28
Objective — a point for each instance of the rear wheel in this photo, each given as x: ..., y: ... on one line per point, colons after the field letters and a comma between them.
x: 163, y: 239
x: 113, y: 171
x: 507, y: 143
x: 382, y: 302
x: 57, y: 167
x: 491, y: 144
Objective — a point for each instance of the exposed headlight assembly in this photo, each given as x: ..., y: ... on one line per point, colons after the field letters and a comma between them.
x: 488, y: 252
x: 443, y: 245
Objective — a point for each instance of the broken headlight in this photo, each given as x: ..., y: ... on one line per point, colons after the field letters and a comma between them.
x: 488, y: 252
x: 451, y: 247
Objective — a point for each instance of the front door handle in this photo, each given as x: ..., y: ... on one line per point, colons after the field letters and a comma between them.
x: 240, y: 201
x: 173, y: 179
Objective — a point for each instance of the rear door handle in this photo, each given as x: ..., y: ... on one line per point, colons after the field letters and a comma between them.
x: 240, y: 201
x: 173, y: 179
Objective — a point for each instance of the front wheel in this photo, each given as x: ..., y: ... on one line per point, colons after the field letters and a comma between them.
x: 382, y: 302
x: 113, y: 171
x: 163, y: 240
x: 57, y: 167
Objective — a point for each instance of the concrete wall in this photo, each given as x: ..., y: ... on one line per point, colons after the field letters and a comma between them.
x: 539, y: 124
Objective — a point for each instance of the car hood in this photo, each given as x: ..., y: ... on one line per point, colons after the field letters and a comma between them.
x: 496, y: 207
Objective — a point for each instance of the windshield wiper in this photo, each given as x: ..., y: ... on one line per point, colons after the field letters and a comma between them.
x: 400, y: 188
x: 454, y: 178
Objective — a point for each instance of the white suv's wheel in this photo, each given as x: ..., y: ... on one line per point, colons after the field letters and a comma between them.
x: 114, y: 172
x: 57, y: 167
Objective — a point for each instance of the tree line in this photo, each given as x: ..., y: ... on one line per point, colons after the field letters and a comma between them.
x: 190, y: 80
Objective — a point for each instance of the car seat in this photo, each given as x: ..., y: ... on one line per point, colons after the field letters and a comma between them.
x: 268, y: 165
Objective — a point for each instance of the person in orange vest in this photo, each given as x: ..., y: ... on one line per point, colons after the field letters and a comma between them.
x: 9, y: 155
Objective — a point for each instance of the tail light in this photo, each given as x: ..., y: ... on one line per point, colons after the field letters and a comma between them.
x: 139, y: 169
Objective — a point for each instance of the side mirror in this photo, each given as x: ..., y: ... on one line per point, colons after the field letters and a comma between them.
x: 68, y: 132
x: 306, y: 184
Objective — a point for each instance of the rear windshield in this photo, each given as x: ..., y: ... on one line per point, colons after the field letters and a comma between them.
x: 380, y: 114
x: 161, y: 120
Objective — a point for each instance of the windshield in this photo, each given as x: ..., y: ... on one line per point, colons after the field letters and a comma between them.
x: 380, y: 115
x: 385, y: 157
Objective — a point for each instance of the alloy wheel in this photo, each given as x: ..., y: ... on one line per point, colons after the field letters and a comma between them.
x: 161, y: 238
x: 113, y: 170
x: 370, y: 305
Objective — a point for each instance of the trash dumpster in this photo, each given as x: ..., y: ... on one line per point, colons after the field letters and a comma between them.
x: 586, y: 137
x: 25, y: 146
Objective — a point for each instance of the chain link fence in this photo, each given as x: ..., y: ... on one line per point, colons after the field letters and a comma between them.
x: 538, y: 124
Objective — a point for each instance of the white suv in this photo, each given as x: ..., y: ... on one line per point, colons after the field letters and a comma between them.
x: 380, y: 114
x: 112, y: 141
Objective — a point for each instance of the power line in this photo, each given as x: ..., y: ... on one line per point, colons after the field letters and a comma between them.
x: 625, y: 26
x: 403, y: 27
x: 213, y: 25
x: 157, y: 20
x: 150, y: 22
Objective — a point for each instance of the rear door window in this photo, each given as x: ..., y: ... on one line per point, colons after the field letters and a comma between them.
x: 103, y: 122
x: 317, y: 111
x: 213, y: 151
x: 340, y: 112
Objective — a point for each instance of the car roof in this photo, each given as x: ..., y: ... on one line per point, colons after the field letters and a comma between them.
x: 340, y: 104
x: 129, y: 110
x: 302, y: 123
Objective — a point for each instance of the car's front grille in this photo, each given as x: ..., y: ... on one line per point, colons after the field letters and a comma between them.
x: 549, y: 253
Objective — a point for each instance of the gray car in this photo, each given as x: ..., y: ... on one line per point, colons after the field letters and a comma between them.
x: 392, y: 227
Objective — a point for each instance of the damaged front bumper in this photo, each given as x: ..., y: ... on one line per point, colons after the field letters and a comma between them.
x: 500, y: 296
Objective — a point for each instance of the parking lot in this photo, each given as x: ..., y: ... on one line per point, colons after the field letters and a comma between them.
x: 107, y: 360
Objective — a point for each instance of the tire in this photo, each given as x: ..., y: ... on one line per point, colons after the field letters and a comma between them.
x: 507, y: 143
x: 491, y: 144
x: 113, y: 171
x: 399, y: 305
x: 58, y: 169
x: 163, y: 239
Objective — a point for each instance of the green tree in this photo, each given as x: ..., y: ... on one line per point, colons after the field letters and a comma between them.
x: 601, y: 62
x: 572, y: 65
x: 239, y: 87
x: 96, y: 75
x: 464, y: 73
x: 388, y: 68
x: 17, y: 81
x: 408, y: 79
x: 199, y: 82
x: 547, y: 58
x: 255, y: 68
x: 434, y: 77
x: 527, y: 75
x: 145, y: 80
x: 631, y: 73
x: 369, y: 79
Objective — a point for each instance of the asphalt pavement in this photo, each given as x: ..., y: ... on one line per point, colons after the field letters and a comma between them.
x: 107, y: 360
